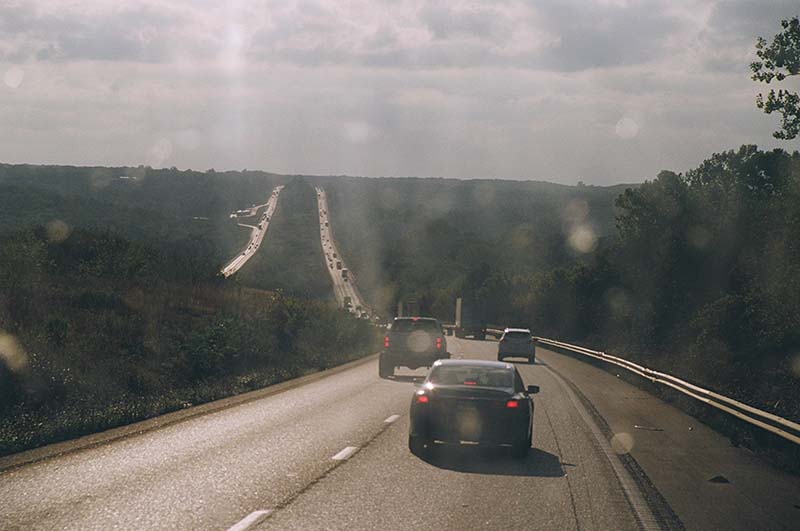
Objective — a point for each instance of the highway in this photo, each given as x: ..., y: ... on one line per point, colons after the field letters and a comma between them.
x: 329, y: 452
x: 257, y: 233
x: 343, y: 288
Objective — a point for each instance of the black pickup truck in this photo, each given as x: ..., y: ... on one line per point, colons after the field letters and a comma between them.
x: 412, y: 342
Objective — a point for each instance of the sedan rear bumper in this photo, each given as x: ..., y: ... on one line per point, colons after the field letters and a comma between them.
x: 455, y: 428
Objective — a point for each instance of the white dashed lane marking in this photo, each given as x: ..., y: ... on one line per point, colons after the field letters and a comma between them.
x: 345, y: 454
x: 391, y: 419
x: 250, y: 521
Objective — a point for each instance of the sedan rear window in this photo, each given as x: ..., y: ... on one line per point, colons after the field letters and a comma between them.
x: 477, y: 376
x: 410, y: 325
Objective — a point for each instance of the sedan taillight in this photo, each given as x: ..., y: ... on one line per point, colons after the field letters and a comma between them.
x: 423, y: 399
x: 512, y: 404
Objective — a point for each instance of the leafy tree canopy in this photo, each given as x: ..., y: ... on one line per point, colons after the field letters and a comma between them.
x: 777, y: 61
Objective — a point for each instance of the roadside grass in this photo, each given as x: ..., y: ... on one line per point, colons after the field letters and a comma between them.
x: 98, y: 332
x: 27, y: 428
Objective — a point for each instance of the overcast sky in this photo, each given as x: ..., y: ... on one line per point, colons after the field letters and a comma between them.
x: 603, y: 91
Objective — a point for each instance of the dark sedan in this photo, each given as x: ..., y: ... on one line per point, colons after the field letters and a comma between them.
x: 472, y: 401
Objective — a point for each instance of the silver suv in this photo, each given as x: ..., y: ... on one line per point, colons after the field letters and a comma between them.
x: 516, y: 343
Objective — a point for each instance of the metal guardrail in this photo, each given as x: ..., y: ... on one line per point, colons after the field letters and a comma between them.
x: 777, y: 425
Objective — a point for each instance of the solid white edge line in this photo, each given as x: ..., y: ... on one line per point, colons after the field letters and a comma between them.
x: 637, y: 501
x: 391, y: 419
x: 345, y: 454
x: 250, y: 521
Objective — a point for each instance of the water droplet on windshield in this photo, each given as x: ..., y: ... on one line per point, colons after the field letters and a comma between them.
x: 159, y: 153
x: 13, y: 77
x: 582, y: 239
x: 794, y: 365
x: 58, y: 231
x: 11, y: 353
x: 357, y: 132
x: 622, y: 443
x: 626, y: 128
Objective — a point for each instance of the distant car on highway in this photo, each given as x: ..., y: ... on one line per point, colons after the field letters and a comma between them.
x: 516, y: 343
x: 472, y: 401
x: 412, y: 342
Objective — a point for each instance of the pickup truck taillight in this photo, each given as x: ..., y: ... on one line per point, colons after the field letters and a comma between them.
x: 438, y: 343
x: 385, y: 341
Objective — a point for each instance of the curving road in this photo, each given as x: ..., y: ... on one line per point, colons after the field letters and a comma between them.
x: 335, y: 264
x: 257, y: 234
x: 329, y: 452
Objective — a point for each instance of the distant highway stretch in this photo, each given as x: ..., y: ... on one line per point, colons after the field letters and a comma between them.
x: 257, y: 234
x: 330, y: 452
x: 344, y: 282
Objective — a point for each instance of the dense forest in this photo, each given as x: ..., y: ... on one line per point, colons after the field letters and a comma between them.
x: 153, y: 205
x: 697, y: 274
x: 702, y: 279
x: 428, y: 238
x: 112, y: 308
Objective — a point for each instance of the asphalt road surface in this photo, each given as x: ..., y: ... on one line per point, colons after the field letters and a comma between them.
x: 331, y: 454
x: 342, y: 288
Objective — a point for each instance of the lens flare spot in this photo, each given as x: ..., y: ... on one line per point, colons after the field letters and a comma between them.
x: 523, y: 235
x: 357, y: 132
x: 699, y: 236
x: 390, y: 199
x: 626, y: 128
x: 469, y: 426
x: 11, y: 352
x: 794, y: 365
x: 576, y: 211
x: 159, y: 153
x: 622, y: 443
x: 619, y: 302
x: 418, y: 341
x: 582, y: 239
x: 58, y: 231
x: 13, y: 77
x: 484, y: 195
x: 188, y: 139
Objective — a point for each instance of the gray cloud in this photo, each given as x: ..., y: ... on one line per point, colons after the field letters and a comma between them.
x: 512, y: 88
x: 135, y: 34
x: 605, y: 35
x: 744, y: 20
x: 444, y: 21
x: 733, y: 27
